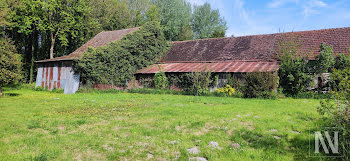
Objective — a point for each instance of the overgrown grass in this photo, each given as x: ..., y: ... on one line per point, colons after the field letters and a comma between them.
x: 41, y: 125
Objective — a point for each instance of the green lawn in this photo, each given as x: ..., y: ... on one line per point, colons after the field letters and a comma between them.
x: 40, y: 125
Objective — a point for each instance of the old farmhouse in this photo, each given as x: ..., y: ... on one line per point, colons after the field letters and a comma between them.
x: 222, y: 55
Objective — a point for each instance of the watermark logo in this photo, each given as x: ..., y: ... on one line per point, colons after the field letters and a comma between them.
x: 324, y: 142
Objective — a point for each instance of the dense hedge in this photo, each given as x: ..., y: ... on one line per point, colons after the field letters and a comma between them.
x: 117, y: 62
x: 259, y: 84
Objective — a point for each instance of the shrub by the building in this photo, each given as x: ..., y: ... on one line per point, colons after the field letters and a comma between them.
x: 225, y: 91
x: 160, y: 80
x: 337, y: 109
x: 10, y: 63
x: 259, y: 84
x: 235, y: 82
x: 342, y: 61
x: 117, y: 62
x: 293, y: 72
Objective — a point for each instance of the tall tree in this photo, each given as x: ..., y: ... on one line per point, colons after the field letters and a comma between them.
x: 26, y: 18
x: 138, y: 9
x: 3, y: 15
x: 153, y: 14
x: 39, y: 25
x: 67, y: 19
x: 111, y: 14
x: 207, y: 23
x: 10, y: 63
x: 175, y: 18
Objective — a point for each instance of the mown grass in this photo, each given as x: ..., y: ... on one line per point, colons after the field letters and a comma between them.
x: 41, y: 125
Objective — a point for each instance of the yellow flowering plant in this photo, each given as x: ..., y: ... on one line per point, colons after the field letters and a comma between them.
x: 226, y: 91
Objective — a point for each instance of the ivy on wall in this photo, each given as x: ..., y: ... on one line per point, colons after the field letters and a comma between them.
x: 117, y: 62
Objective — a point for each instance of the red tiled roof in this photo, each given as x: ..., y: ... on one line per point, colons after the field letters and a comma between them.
x: 254, y: 47
x: 216, y: 67
x: 101, y: 39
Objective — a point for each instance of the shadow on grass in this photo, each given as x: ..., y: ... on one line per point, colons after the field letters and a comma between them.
x: 273, y: 145
x: 11, y: 94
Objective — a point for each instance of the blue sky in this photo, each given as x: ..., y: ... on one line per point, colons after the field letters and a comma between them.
x: 251, y: 17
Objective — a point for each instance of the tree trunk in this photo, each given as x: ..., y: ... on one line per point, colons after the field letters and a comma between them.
x: 52, y: 44
x: 34, y: 55
x: 29, y: 56
x: 0, y: 91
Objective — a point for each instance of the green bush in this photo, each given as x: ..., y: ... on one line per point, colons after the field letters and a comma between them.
x: 225, y: 91
x: 183, y: 81
x: 342, y: 61
x: 10, y: 63
x: 258, y: 84
x: 234, y: 82
x: 340, y: 82
x: 196, y: 83
x: 293, y: 77
x: 201, y: 82
x: 336, y: 110
x: 326, y: 59
x: 117, y: 62
x: 160, y: 80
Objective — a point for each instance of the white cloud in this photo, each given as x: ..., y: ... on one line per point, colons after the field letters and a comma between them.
x: 312, y: 7
x: 309, y: 7
x: 317, y: 3
x: 247, y: 24
x: 279, y: 3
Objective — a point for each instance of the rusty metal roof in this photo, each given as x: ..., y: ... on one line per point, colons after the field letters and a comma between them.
x: 101, y: 39
x: 216, y: 67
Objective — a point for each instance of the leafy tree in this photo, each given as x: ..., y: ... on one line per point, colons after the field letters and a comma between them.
x: 175, y: 18
x: 66, y: 19
x: 326, y: 60
x: 36, y: 26
x: 137, y: 9
x: 153, y: 14
x: 293, y: 69
x: 111, y: 14
x: 207, y: 23
x: 217, y: 34
x: 4, y: 9
x: 185, y: 34
x: 342, y: 61
x: 26, y: 19
x: 10, y: 63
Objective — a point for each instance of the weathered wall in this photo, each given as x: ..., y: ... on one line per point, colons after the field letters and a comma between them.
x: 58, y: 74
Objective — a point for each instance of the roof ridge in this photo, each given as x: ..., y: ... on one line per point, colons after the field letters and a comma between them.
x: 271, y: 34
x: 223, y: 61
x: 120, y: 30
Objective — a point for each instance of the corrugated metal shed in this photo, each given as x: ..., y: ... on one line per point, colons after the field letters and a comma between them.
x: 58, y: 74
x: 216, y: 67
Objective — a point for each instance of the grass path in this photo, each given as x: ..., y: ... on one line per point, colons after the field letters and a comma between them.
x: 42, y: 125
